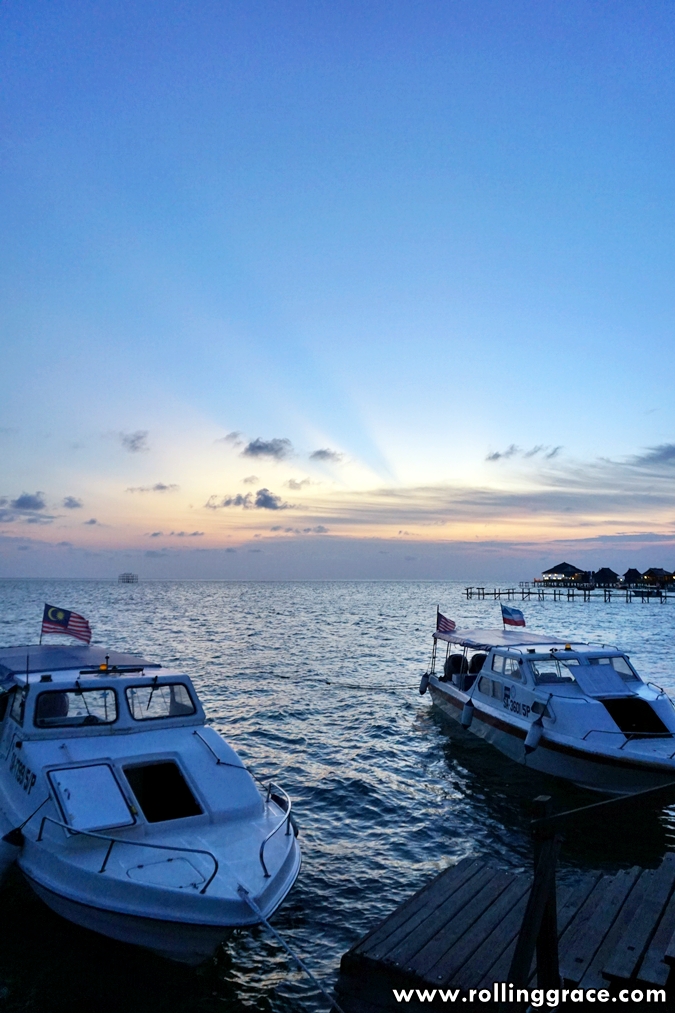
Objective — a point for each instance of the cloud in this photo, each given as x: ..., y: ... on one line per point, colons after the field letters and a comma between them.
x: 157, y: 487
x: 266, y: 500
x: 72, y: 503
x: 156, y: 534
x: 156, y: 553
x: 92, y: 520
x: 136, y: 442
x: 230, y: 550
x: 186, y: 534
x: 251, y: 480
x: 28, y: 502
x: 28, y: 507
x: 64, y: 545
x: 277, y: 449
x: 234, y: 439
x: 664, y: 453
x: 213, y: 503
x: 295, y: 485
x: 514, y: 451
x: 326, y: 455
x: 318, y: 530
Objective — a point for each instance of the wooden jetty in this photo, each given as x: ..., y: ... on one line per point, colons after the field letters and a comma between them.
x: 526, y: 592
x: 478, y: 925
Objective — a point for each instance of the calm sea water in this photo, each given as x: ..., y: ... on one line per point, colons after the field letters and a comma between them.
x: 317, y: 684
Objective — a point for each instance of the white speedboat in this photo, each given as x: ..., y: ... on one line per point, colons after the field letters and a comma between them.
x: 574, y: 710
x: 125, y: 811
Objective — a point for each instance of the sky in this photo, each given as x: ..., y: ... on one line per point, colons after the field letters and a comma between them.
x: 307, y: 289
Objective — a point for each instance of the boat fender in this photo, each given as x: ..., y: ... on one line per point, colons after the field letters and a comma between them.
x: 534, y: 734
x: 467, y: 714
x: 424, y: 683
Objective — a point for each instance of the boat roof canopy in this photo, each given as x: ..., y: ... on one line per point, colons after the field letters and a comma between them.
x: 61, y: 657
x: 486, y: 639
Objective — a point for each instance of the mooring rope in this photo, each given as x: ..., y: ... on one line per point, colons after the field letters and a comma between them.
x: 243, y: 892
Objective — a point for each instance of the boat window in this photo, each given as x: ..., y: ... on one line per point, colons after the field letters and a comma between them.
x: 620, y: 665
x: 162, y: 792
x: 498, y: 663
x: 485, y: 685
x: 512, y: 669
x: 18, y: 706
x: 168, y: 700
x: 497, y: 690
x: 549, y: 670
x: 4, y: 700
x: 71, y: 708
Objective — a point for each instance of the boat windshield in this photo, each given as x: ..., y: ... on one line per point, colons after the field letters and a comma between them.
x: 73, y: 707
x: 168, y: 700
x: 547, y: 670
x: 621, y: 665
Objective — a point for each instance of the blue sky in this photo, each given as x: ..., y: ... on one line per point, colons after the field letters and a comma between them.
x: 433, y: 241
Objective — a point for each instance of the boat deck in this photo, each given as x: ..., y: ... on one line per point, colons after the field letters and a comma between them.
x: 460, y: 931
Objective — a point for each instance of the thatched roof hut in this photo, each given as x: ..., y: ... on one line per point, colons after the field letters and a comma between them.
x: 632, y: 577
x: 605, y: 577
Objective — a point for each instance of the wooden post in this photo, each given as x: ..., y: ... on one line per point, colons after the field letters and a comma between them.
x: 539, y: 929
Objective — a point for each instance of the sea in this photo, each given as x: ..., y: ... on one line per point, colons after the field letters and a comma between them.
x: 315, y: 683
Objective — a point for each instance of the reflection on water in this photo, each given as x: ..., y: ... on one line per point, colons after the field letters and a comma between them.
x: 316, y: 683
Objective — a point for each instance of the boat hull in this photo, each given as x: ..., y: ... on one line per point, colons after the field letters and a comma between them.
x: 180, y: 941
x: 596, y: 771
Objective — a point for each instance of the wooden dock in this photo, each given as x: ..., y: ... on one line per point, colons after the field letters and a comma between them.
x: 541, y: 592
x: 461, y: 930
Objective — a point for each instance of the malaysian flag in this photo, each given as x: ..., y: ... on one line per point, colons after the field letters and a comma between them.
x: 443, y: 624
x: 56, y: 620
x: 512, y: 617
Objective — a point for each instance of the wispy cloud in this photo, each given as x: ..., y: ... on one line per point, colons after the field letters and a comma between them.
x: 72, y: 503
x: 296, y: 484
x: 513, y: 450
x: 91, y: 521
x: 664, y: 453
x: 234, y: 439
x: 325, y: 454
x: 276, y: 449
x: 136, y: 442
x: 157, y: 487
x: 250, y: 480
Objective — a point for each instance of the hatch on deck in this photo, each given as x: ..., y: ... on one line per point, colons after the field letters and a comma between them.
x: 635, y: 717
x: 161, y: 791
x: 90, y: 797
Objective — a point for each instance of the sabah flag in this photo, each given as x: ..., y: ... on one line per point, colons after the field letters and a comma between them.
x: 56, y: 620
x: 512, y: 617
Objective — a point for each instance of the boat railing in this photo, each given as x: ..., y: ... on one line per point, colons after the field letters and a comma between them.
x: 282, y: 799
x: 112, y: 841
x: 629, y: 736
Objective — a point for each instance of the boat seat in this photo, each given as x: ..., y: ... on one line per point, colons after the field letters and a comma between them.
x: 455, y: 664
x: 477, y: 663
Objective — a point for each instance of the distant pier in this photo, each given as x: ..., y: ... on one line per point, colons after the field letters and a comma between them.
x: 540, y: 592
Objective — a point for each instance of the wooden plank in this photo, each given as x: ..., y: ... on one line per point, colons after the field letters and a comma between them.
x: 570, y: 901
x: 489, y: 954
x: 455, y: 957
x: 456, y: 915
x: 430, y: 896
x: 593, y: 977
x: 582, y: 939
x: 653, y: 970
x: 639, y: 929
